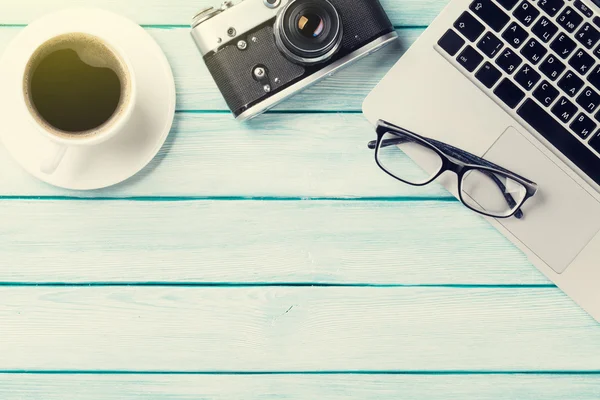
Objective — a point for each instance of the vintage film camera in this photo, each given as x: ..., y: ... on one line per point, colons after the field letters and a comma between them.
x: 261, y: 52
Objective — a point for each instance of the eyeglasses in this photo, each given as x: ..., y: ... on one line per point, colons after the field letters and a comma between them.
x: 484, y: 187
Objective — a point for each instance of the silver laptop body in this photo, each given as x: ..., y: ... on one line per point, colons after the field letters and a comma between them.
x: 515, y: 82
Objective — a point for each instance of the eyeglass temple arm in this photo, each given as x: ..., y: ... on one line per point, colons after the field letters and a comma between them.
x: 461, y: 154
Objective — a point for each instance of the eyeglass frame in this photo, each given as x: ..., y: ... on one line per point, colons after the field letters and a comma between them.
x: 451, y: 161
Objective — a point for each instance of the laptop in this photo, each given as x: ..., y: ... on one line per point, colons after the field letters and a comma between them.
x: 518, y: 83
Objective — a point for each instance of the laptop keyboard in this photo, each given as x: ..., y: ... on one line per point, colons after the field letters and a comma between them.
x: 541, y: 61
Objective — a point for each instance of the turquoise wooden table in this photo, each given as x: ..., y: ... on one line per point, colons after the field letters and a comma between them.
x: 270, y: 261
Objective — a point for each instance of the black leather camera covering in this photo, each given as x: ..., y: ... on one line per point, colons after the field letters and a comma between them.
x: 232, y: 69
x: 363, y: 22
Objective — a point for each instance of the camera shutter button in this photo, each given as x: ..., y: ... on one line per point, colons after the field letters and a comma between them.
x: 272, y: 3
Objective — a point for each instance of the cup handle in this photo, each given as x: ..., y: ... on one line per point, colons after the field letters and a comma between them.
x: 51, y: 163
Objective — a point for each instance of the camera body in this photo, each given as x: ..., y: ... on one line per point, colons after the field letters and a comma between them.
x: 260, y: 52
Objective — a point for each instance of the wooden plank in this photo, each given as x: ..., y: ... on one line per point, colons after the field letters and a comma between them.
x: 337, y: 242
x: 180, y: 12
x: 298, y: 387
x: 197, y: 90
x: 294, y: 329
x: 279, y: 155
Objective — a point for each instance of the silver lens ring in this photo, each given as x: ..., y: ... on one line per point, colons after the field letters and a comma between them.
x: 303, y: 55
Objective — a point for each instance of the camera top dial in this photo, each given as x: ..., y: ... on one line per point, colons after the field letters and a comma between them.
x: 205, y: 15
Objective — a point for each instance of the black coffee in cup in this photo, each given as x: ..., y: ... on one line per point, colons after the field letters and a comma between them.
x: 75, y: 84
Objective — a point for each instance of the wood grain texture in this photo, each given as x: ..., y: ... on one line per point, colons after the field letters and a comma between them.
x: 196, y: 90
x: 294, y: 329
x: 180, y: 12
x: 228, y: 327
x: 298, y: 387
x: 338, y: 242
x: 314, y: 155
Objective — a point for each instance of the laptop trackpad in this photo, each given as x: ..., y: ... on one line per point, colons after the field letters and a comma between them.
x: 562, y: 218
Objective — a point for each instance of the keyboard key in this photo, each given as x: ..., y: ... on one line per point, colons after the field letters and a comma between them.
x: 545, y: 93
x: 469, y: 58
x: 515, y: 35
x: 544, y: 29
x: 561, y: 138
x: 551, y: 7
x: 508, y: 61
x: 526, y: 13
x: 570, y: 83
x: 594, y: 77
x: 490, y: 45
x: 589, y: 100
x: 552, y: 67
x: 533, y: 51
x: 569, y: 19
x: 451, y: 42
x: 508, y: 4
x: 564, y: 109
x: 597, y: 21
x: 597, y: 52
x: 588, y: 36
x: 595, y: 142
x: 468, y: 25
x: 582, y: 62
x: 490, y: 13
x: 527, y: 77
x: 583, y: 126
x: 488, y: 75
x: 585, y: 10
x: 509, y: 93
x: 563, y: 45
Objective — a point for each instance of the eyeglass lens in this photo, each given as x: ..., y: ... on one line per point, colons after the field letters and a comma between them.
x: 492, y: 193
x: 391, y: 156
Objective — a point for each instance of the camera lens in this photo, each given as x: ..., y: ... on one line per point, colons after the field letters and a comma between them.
x: 309, y: 31
x: 311, y: 25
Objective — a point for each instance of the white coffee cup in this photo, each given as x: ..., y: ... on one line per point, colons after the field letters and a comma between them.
x: 97, y: 52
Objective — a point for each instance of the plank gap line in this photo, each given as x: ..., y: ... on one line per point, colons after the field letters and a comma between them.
x: 274, y: 284
x: 231, y: 198
x: 257, y: 373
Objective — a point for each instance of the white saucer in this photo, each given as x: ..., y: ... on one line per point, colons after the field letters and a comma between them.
x: 117, y: 159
